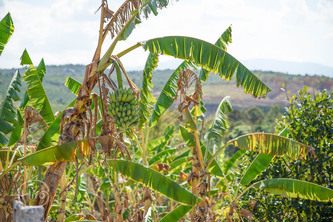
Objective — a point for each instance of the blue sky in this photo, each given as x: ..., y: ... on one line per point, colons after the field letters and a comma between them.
x: 65, y: 31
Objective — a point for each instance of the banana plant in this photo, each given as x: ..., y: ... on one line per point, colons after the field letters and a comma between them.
x: 120, y: 25
x: 76, y: 129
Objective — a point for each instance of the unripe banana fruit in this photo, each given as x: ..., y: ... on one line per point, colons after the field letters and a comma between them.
x: 124, y: 108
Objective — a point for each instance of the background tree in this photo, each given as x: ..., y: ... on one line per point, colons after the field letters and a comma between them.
x: 309, y: 119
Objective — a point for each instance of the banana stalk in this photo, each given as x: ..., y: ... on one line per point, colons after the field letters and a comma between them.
x: 70, y: 130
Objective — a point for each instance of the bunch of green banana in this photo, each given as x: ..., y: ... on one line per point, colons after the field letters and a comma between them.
x: 124, y: 108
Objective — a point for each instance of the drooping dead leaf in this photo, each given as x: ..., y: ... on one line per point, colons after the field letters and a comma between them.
x: 160, y: 167
x: 182, y: 175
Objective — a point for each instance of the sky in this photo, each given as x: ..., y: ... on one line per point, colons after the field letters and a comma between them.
x: 66, y: 31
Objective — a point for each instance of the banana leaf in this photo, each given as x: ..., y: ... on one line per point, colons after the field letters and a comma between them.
x: 73, y: 85
x: 147, y: 100
x: 222, y: 42
x: 159, y: 156
x: 259, y: 164
x: 210, y: 57
x: 160, y: 142
x: 6, y: 31
x: 176, y: 214
x: 219, y: 124
x: 37, y: 95
x: 272, y: 144
x: 65, y: 152
x: 8, y: 113
x: 296, y: 189
x: 155, y: 181
x: 168, y: 94
x: 230, y: 162
x: 16, y: 133
x: 53, y: 132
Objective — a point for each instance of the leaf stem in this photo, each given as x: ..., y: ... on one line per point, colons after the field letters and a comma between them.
x: 216, y: 154
x: 124, y: 52
x: 243, y: 192
x: 119, y: 77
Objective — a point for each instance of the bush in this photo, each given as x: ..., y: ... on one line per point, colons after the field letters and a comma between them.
x: 309, y: 120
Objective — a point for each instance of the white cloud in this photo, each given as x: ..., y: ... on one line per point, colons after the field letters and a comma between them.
x: 65, y: 31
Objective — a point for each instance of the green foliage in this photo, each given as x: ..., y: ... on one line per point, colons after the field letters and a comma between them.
x: 155, y: 181
x: 222, y: 42
x: 176, y: 214
x: 209, y: 57
x: 308, y: 120
x: 147, y: 100
x: 296, y: 189
x: 8, y: 113
x: 136, y: 179
x: 255, y: 116
x: 37, y: 95
x: 219, y: 124
x: 6, y: 31
x: 168, y: 94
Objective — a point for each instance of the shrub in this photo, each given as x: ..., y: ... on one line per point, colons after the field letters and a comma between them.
x: 309, y: 120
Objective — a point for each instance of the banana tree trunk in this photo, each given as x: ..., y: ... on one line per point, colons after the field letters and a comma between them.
x: 71, y: 128
x: 49, y: 186
x: 70, y: 132
x: 195, y: 178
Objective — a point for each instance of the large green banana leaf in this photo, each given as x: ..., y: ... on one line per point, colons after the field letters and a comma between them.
x: 178, y: 162
x: 159, y: 156
x: 269, y: 144
x: 41, y: 69
x: 177, y: 214
x: 272, y: 144
x: 16, y: 134
x: 160, y: 143
x: 259, y: 164
x: 38, y: 98
x: 296, y: 189
x: 168, y: 94
x: 8, y: 115
x: 6, y: 31
x: 154, y: 181
x: 147, y: 100
x: 65, y: 152
x: 222, y: 42
x: 210, y: 57
x: 230, y: 162
x: 219, y: 124
x: 73, y: 85
x: 134, y: 171
x: 52, y: 133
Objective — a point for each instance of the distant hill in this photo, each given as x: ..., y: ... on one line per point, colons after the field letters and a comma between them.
x: 214, y: 89
x: 302, y: 68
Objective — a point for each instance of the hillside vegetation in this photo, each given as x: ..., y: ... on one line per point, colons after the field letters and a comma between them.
x: 214, y: 89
